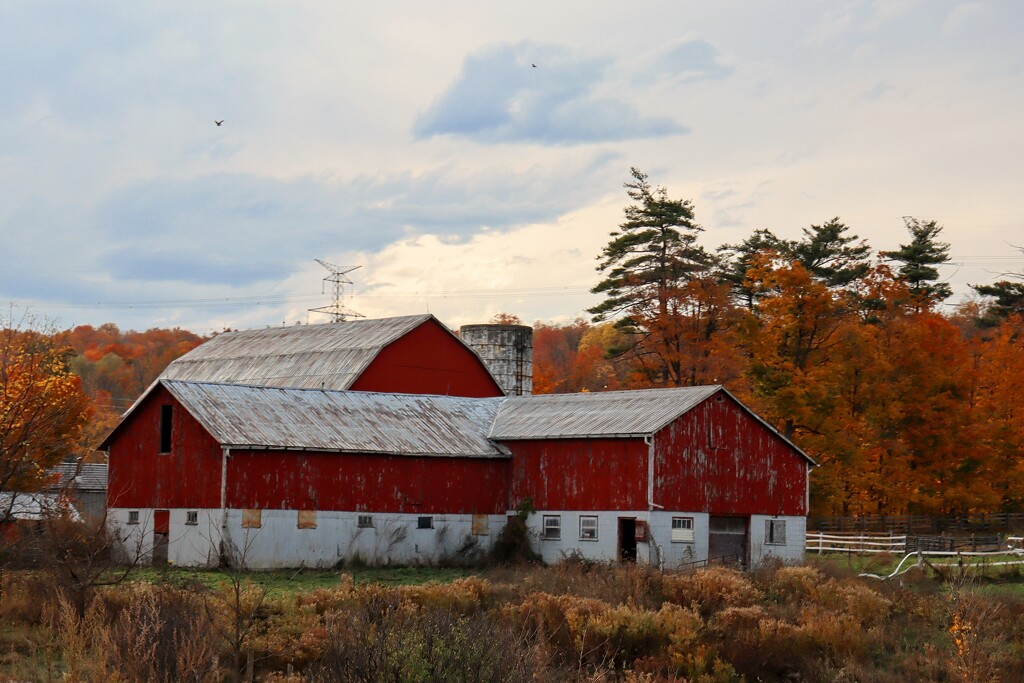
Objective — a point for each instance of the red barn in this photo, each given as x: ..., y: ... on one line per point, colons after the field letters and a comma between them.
x: 225, y: 455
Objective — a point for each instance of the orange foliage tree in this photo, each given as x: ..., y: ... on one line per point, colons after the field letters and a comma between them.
x: 42, y: 407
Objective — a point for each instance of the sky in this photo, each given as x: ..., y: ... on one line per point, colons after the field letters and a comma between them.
x: 469, y: 158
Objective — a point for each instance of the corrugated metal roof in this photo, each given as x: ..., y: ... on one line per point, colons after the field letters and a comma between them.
x: 607, y: 413
x: 327, y: 356
x: 34, y: 507
x: 86, y: 476
x: 349, y: 421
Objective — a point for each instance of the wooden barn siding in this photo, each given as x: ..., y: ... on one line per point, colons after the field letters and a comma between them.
x: 428, y: 360
x: 580, y: 474
x: 717, y: 458
x: 290, y: 480
x: 142, y: 477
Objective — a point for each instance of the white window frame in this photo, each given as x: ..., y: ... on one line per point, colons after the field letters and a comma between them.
x: 192, y: 517
x: 133, y: 516
x: 775, y: 532
x: 364, y: 521
x: 551, y: 527
x: 588, y: 527
x: 682, y: 530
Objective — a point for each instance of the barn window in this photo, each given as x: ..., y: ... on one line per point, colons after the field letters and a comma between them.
x: 552, y: 529
x: 166, y: 420
x: 364, y: 521
x: 588, y: 527
x: 133, y: 516
x: 252, y: 519
x: 682, y: 529
x: 307, y: 519
x: 775, y: 531
x: 481, y: 525
x: 192, y: 517
x: 425, y: 522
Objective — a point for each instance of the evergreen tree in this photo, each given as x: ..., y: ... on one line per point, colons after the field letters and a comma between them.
x: 1009, y: 300
x: 652, y: 254
x: 919, y: 259
x: 739, y: 259
x: 832, y: 256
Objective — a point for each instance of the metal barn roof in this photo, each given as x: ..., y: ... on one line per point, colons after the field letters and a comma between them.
x: 347, y: 421
x: 327, y: 356
x: 608, y: 413
x: 85, y: 476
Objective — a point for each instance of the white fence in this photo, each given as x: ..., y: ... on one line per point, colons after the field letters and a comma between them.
x: 820, y: 542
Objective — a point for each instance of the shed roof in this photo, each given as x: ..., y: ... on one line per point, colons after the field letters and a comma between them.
x: 346, y: 421
x: 326, y: 356
x: 80, y: 476
x: 606, y: 413
x: 34, y: 507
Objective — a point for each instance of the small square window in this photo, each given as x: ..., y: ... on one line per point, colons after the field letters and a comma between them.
x: 425, y: 522
x: 192, y: 517
x: 252, y: 519
x: 775, y: 531
x: 682, y: 529
x: 588, y: 527
x: 133, y: 516
x: 552, y: 529
x: 364, y: 521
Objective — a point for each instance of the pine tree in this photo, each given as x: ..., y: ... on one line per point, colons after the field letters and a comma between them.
x: 919, y: 259
x: 832, y: 256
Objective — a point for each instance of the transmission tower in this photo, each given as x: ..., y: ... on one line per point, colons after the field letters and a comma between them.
x: 338, y: 280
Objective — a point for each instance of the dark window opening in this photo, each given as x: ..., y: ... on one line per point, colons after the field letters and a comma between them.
x: 166, y: 419
x: 425, y: 523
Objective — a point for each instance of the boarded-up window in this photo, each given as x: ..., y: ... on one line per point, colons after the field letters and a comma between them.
x: 480, y: 525
x: 552, y: 529
x: 252, y: 519
x: 682, y: 529
x: 307, y: 519
x: 775, y: 531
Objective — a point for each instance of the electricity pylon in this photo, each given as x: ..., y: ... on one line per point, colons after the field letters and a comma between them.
x: 338, y: 280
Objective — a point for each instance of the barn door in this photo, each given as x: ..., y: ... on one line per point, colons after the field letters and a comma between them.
x: 727, y: 540
x: 627, y: 539
x: 161, y: 536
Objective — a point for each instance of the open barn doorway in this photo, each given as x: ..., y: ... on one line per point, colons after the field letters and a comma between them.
x: 728, y: 540
x: 627, y: 539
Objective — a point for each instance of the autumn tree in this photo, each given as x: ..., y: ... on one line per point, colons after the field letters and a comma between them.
x: 738, y: 259
x: 42, y: 407
x: 650, y: 267
x: 919, y: 259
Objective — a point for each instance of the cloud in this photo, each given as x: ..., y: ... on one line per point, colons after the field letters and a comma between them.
x: 500, y: 96
x: 692, y: 59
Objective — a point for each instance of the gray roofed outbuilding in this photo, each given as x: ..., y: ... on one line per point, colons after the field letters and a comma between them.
x: 327, y: 356
x: 341, y: 421
x: 609, y: 413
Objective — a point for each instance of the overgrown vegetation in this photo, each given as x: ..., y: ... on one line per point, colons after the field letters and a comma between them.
x: 576, y: 621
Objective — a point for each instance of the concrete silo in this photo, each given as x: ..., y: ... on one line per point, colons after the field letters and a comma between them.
x: 508, y: 352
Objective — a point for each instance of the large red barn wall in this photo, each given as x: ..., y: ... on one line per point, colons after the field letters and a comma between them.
x: 428, y: 360
x: 140, y: 476
x: 717, y: 458
x: 289, y: 480
x: 580, y: 474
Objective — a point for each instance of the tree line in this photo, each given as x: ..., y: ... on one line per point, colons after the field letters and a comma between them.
x: 847, y: 352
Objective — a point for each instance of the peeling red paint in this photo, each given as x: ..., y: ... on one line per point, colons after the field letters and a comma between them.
x: 718, y: 458
x: 580, y: 474
x: 289, y: 480
x: 142, y: 477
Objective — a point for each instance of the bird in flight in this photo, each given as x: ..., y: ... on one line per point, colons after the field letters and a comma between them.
x: 534, y: 66
x: 219, y: 122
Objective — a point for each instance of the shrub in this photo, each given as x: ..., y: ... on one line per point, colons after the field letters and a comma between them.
x: 710, y: 590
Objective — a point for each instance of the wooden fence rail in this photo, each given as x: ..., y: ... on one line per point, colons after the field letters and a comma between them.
x: 1001, y: 522
x: 821, y: 542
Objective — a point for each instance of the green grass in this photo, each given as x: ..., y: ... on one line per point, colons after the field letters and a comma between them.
x: 294, y: 581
